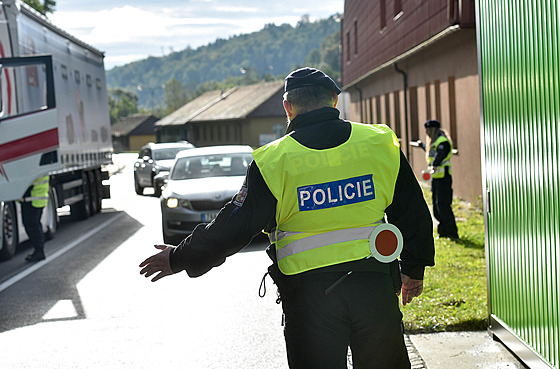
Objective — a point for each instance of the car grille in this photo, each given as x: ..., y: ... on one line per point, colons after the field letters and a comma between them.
x: 203, y: 205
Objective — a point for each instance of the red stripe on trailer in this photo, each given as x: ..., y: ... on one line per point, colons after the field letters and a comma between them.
x: 29, y: 145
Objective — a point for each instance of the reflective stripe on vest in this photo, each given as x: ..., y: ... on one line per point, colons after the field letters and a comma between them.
x: 325, y: 196
x: 439, y: 171
x: 310, y: 242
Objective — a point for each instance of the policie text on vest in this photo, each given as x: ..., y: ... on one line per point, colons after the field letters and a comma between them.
x: 337, y: 193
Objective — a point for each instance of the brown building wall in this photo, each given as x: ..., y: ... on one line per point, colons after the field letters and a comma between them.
x: 236, y: 132
x: 269, y: 127
x: 442, y: 84
x: 137, y: 141
x: 374, y: 32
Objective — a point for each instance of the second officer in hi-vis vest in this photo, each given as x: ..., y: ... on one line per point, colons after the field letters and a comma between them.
x: 438, y: 156
x: 348, y: 225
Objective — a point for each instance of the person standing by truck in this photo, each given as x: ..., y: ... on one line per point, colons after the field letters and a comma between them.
x: 34, y: 201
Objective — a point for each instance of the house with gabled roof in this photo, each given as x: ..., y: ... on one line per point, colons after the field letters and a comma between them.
x: 132, y: 132
x: 245, y: 115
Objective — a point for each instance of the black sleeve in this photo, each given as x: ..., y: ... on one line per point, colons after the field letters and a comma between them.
x: 245, y: 216
x: 410, y: 213
x: 441, y: 153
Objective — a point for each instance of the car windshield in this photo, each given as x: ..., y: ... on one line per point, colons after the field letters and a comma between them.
x: 167, y: 153
x: 211, y: 166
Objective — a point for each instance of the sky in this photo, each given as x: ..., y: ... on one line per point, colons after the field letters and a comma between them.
x: 133, y: 30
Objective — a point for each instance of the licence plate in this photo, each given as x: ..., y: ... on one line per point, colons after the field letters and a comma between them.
x: 208, y: 217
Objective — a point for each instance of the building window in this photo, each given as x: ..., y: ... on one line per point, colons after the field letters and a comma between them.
x: 355, y: 37
x: 387, y: 110
x: 397, y: 10
x: 413, y: 100
x: 452, y: 112
x: 347, y: 45
x: 227, y: 133
x: 397, y: 109
x: 278, y: 130
x: 437, y: 94
x: 428, y: 101
x: 382, y: 21
x: 377, y: 109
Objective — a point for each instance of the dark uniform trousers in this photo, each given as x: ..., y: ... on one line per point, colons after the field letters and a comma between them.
x: 442, y: 194
x: 32, y: 223
x: 361, y: 313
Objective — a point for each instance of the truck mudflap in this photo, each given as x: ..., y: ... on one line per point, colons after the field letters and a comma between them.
x: 105, y: 188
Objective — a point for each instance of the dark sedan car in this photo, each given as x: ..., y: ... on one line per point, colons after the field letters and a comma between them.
x: 154, y: 159
x: 200, y: 183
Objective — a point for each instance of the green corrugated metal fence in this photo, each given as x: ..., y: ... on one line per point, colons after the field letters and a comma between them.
x: 519, y: 65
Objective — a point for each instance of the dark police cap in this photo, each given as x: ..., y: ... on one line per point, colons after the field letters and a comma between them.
x: 309, y: 77
x: 432, y: 123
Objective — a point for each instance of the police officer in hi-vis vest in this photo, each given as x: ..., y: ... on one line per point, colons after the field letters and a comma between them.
x: 339, y: 202
x: 438, y: 156
x: 32, y: 204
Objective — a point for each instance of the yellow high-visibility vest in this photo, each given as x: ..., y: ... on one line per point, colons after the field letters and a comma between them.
x: 439, y: 171
x: 329, y: 200
x: 39, y: 192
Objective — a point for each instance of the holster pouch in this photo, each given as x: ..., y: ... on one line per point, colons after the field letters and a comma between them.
x: 395, y: 271
x: 283, y: 282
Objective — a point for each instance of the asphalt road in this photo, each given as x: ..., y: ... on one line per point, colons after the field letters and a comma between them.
x: 87, y: 306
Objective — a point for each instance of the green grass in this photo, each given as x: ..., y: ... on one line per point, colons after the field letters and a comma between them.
x: 454, y: 297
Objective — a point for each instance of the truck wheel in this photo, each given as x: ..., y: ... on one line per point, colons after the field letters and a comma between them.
x: 99, y: 187
x: 52, y: 215
x: 82, y: 209
x: 9, y: 236
x: 93, y: 193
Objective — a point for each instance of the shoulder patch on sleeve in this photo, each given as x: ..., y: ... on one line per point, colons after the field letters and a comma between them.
x: 239, y: 199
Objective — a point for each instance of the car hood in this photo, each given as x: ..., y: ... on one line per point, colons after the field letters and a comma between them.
x: 214, y: 188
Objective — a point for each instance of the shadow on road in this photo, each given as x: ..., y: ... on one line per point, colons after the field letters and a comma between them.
x: 29, y: 300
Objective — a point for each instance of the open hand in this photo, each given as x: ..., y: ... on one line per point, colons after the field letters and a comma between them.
x: 158, y: 263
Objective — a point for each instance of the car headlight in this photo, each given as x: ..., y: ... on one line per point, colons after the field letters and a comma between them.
x: 172, y: 202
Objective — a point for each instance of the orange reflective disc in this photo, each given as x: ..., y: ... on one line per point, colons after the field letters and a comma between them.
x: 386, y: 242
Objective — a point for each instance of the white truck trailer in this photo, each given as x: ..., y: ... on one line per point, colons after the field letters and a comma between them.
x: 54, y: 120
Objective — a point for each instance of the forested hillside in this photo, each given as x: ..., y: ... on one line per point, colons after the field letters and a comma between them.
x: 164, y: 82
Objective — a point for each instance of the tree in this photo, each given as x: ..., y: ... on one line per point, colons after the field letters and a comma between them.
x: 122, y: 103
x: 175, y: 94
x: 47, y: 6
